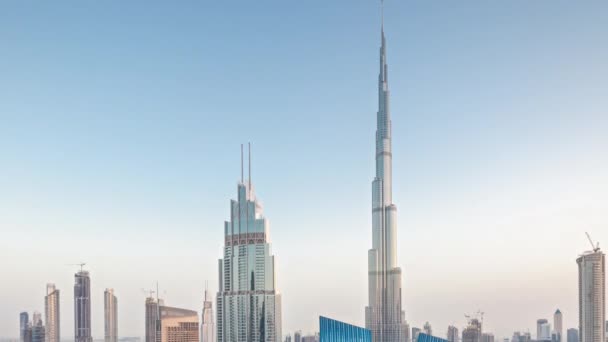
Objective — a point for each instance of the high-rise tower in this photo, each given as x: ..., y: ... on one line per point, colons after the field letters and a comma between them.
x: 51, y: 313
x: 207, y: 324
x: 558, y: 325
x: 592, y: 295
x: 248, y: 302
x: 110, y: 310
x: 82, y: 307
x: 384, y: 315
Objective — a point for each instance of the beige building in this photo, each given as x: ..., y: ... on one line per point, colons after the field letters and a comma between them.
x: 592, y: 296
x: 178, y: 325
x: 51, y: 313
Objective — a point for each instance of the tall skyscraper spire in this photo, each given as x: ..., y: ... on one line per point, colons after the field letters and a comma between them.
x: 384, y: 315
x: 248, y: 302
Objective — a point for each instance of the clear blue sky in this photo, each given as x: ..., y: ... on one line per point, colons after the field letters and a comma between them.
x: 119, y: 145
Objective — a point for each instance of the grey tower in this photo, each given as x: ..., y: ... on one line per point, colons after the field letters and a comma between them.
x: 248, y: 302
x: 51, y: 314
x: 82, y: 307
x: 384, y: 315
x: 592, y: 296
x: 110, y: 308
x: 24, y: 320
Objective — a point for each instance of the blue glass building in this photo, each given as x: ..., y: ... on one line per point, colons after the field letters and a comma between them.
x: 336, y: 331
x: 428, y: 338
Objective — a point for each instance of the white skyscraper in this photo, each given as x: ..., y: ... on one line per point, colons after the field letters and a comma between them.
x: 558, y: 325
x: 110, y: 305
x: 384, y: 315
x: 207, y: 325
x: 248, y: 303
x: 51, y: 314
x: 592, y: 295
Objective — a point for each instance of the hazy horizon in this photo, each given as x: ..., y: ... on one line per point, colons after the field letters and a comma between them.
x: 120, y: 147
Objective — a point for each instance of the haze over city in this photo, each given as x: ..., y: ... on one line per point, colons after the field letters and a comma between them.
x: 120, y: 147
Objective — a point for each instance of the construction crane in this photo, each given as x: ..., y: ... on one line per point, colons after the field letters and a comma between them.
x: 595, y: 247
x: 82, y: 264
x: 150, y: 292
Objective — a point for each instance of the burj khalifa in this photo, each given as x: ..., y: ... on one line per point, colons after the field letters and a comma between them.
x: 384, y: 315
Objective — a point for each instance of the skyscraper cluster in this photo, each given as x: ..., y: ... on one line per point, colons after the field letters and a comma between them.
x: 248, y: 301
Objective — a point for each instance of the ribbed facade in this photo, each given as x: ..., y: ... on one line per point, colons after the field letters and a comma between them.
x: 384, y: 315
x: 82, y: 307
x: 110, y: 309
x: 51, y: 314
x: 336, y: 331
x: 248, y: 303
x: 592, y: 296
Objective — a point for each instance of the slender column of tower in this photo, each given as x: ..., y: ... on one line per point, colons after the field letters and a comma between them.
x: 384, y: 315
x: 51, y: 314
x: 110, y: 304
x: 82, y: 307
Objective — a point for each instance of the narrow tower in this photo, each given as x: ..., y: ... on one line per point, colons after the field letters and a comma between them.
x: 384, y: 315
x: 82, y: 307
x: 51, y: 314
x: 592, y: 295
x: 110, y: 306
x: 207, y: 324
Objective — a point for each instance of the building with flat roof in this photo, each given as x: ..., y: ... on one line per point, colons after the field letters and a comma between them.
x: 178, y: 325
x: 51, y: 314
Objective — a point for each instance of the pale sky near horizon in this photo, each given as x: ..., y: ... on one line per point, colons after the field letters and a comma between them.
x: 121, y: 124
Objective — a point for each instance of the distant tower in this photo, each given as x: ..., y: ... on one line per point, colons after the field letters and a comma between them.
x: 472, y: 333
x: 592, y: 295
x: 152, y: 320
x: 207, y: 324
x: 23, y: 323
x: 82, y: 307
x: 248, y: 301
x: 452, y: 334
x: 487, y: 337
x: 37, y: 328
x: 415, y: 333
x: 110, y: 306
x: 51, y: 314
x: 557, y: 325
x: 428, y: 329
x: 539, y: 325
x: 572, y: 335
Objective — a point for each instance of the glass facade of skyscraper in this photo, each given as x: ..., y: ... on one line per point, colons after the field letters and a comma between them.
x: 336, y: 331
x: 429, y: 338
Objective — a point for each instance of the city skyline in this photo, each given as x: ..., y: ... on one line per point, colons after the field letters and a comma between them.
x: 489, y: 144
